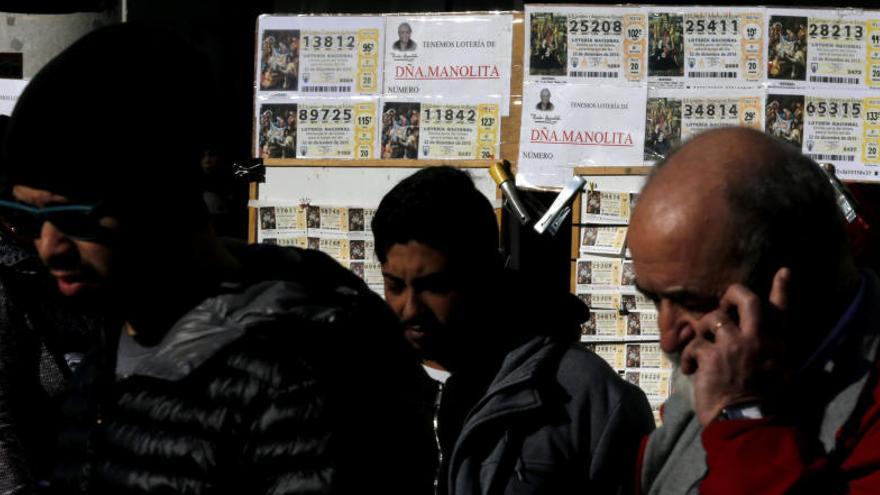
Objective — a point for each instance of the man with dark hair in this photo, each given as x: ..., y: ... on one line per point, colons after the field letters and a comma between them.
x: 738, y: 240
x: 515, y: 405
x: 230, y: 371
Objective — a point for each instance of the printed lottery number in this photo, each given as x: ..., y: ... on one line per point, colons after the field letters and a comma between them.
x: 325, y: 115
x: 872, y: 116
x: 595, y: 26
x: 330, y: 42
x: 846, y: 31
x: 710, y: 110
x: 701, y: 26
x: 450, y: 115
x: 832, y: 108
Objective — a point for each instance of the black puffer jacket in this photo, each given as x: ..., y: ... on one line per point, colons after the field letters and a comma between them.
x: 276, y: 387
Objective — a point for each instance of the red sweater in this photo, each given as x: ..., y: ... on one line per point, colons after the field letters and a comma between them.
x: 766, y: 457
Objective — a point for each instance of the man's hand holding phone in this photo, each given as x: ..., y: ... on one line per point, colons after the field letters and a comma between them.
x: 734, y: 357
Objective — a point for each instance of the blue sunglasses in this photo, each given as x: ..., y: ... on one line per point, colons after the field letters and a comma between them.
x: 79, y: 221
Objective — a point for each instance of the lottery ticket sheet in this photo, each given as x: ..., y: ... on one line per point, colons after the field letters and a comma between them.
x: 674, y: 116
x: 320, y: 56
x: 447, y: 129
x: 318, y: 128
x: 585, y: 44
x: 834, y: 126
x: 705, y: 47
x: 832, y: 48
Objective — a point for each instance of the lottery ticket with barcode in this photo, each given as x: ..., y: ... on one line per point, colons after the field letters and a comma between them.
x: 834, y: 126
x: 716, y: 47
x: 320, y: 56
x: 837, y: 48
x: 674, y: 116
x: 585, y: 44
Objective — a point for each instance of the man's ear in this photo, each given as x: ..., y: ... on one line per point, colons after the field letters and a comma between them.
x: 780, y: 289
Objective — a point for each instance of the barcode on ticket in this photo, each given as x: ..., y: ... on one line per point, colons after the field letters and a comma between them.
x: 838, y: 158
x: 716, y: 75
x: 326, y: 89
x: 835, y: 79
x: 581, y: 73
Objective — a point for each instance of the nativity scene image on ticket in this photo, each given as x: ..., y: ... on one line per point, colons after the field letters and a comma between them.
x: 400, y: 130
x: 549, y: 44
x: 665, y: 45
x: 662, y: 127
x: 279, y: 60
x: 787, y: 48
x: 785, y: 117
x: 277, y: 131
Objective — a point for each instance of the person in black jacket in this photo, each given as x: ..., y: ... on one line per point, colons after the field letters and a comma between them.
x: 238, y: 369
x: 516, y: 406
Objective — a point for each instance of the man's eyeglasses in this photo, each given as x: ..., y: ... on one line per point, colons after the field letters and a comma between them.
x: 79, y: 221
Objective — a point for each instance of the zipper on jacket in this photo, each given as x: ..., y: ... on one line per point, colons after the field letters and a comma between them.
x: 437, y: 399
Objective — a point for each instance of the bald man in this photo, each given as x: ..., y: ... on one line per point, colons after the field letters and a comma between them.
x: 739, y: 242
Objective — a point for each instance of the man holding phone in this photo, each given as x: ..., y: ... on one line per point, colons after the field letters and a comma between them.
x: 738, y: 240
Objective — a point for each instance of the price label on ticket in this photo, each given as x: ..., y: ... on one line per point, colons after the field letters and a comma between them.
x: 345, y: 130
x: 673, y: 116
x: 326, y: 56
x: 448, y: 130
x: 821, y: 48
x: 706, y: 47
x: 449, y: 57
x: 585, y: 44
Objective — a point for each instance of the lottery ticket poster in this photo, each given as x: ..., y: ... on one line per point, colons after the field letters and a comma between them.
x: 317, y: 128
x: 697, y: 47
x: 342, y: 129
x: 568, y: 126
x: 449, y: 56
x: 674, y: 116
x: 820, y: 48
x: 569, y: 44
x: 326, y: 56
x: 834, y: 126
x: 455, y: 129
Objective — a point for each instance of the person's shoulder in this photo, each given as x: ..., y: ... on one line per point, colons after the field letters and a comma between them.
x: 584, y: 372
